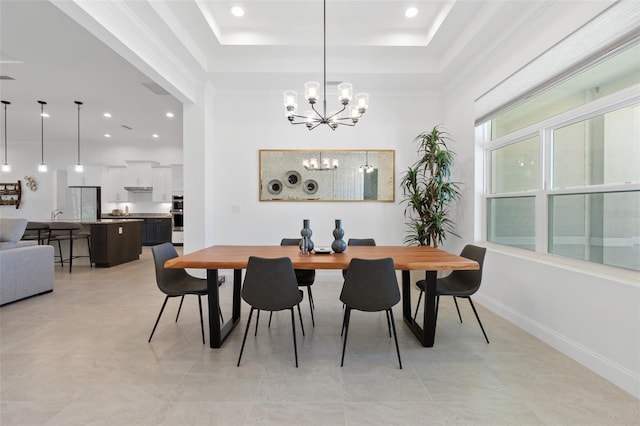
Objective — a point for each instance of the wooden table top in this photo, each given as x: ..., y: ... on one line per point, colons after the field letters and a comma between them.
x: 404, y: 257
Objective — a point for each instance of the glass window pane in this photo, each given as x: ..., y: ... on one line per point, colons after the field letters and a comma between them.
x: 613, y: 74
x: 515, y: 167
x: 602, y: 150
x: 601, y: 227
x: 511, y: 221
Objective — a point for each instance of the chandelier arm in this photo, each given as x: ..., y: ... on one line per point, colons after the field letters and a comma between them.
x: 320, y: 116
x: 338, y: 113
x: 316, y: 125
x: 346, y: 124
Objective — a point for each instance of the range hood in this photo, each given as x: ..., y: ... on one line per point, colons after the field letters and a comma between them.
x: 138, y: 188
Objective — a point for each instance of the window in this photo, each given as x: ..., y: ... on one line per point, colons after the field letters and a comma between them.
x: 563, y: 167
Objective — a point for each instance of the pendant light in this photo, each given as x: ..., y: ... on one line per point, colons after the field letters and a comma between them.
x: 78, y: 167
x: 42, y: 167
x: 5, y: 166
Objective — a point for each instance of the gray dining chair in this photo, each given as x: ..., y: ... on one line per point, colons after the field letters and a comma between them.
x: 459, y: 284
x: 360, y: 242
x: 271, y: 285
x: 371, y: 286
x: 176, y: 283
x: 305, y: 278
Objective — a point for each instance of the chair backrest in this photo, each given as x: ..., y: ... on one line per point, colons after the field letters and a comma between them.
x: 472, y: 278
x: 167, y: 279
x: 290, y: 241
x: 64, y: 228
x: 371, y: 285
x: 304, y: 276
x: 270, y: 284
x: 361, y: 242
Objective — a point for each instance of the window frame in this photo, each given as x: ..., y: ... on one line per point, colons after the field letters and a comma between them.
x: 544, y: 129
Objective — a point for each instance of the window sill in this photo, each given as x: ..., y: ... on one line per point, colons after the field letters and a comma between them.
x: 622, y: 275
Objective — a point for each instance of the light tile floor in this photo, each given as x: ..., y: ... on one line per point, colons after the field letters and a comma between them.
x: 79, y: 356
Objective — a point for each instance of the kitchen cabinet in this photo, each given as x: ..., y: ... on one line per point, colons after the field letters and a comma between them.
x: 90, y: 176
x: 162, y: 185
x: 139, y: 174
x: 116, y: 177
x: 177, y: 179
x: 156, y: 231
x: 114, y: 243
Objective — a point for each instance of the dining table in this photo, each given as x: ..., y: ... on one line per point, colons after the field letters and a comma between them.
x: 405, y: 258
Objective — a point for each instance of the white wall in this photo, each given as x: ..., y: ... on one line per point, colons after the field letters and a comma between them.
x: 246, y: 123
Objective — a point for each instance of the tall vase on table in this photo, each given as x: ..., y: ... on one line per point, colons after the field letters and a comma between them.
x: 306, y: 233
x: 338, y: 245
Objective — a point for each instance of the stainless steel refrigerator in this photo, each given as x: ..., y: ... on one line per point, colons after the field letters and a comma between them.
x: 83, y: 204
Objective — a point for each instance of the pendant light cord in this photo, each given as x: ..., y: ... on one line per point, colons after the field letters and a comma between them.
x: 41, y: 132
x: 324, y: 57
x: 5, y: 131
x: 78, y: 103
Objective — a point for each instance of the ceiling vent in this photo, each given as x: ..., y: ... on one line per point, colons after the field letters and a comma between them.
x: 126, y: 127
x: 6, y: 77
x: 155, y: 88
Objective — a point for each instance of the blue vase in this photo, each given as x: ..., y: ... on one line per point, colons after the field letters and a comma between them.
x: 338, y: 245
x: 306, y: 236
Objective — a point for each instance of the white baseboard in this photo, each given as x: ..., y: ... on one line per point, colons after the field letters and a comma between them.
x: 611, y: 371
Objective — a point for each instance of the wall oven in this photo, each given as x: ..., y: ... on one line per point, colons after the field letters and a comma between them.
x: 177, y: 211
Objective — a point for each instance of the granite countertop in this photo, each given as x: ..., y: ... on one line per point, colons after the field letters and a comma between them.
x: 137, y: 216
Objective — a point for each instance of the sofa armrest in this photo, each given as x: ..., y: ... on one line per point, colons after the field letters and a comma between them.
x: 26, y: 271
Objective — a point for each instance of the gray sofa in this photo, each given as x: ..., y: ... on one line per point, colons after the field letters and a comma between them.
x: 26, y: 268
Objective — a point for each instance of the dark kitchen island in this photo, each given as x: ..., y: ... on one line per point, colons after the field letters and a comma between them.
x: 115, y: 241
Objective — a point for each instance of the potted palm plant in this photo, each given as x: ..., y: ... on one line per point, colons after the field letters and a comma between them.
x: 428, y: 191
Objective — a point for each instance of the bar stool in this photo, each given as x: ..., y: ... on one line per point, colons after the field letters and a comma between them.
x: 38, y: 231
x: 68, y: 231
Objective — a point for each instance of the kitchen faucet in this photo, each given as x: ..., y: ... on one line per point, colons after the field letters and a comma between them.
x: 55, y: 213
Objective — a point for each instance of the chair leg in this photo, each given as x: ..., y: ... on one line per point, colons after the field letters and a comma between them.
x: 179, y: 307
x: 417, y: 305
x: 347, y: 314
x: 220, y: 312
x: 257, y: 321
x: 395, y: 335
x: 300, y: 315
x: 158, y: 319
x: 388, y: 324
x: 270, y: 316
x: 89, y: 247
x: 457, y: 308
x: 478, y: 318
x: 60, y: 251
x: 344, y: 319
x: 311, y: 306
x: 201, y: 321
x: 244, y: 339
x: 70, y: 253
x: 293, y: 327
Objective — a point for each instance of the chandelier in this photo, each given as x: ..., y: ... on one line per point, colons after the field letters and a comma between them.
x: 366, y: 167
x: 324, y: 163
x: 314, y: 118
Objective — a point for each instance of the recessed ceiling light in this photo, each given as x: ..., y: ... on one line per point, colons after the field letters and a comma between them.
x: 107, y: 135
x: 106, y: 115
x: 169, y: 114
x: 237, y: 11
x: 155, y: 135
x: 411, y: 12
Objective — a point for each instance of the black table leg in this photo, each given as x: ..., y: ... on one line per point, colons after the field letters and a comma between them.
x: 218, y: 334
x: 426, y: 336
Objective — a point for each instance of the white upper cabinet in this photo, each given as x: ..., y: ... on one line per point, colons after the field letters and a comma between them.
x: 177, y: 179
x: 90, y: 176
x: 116, y: 177
x: 162, y: 185
x: 139, y: 174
